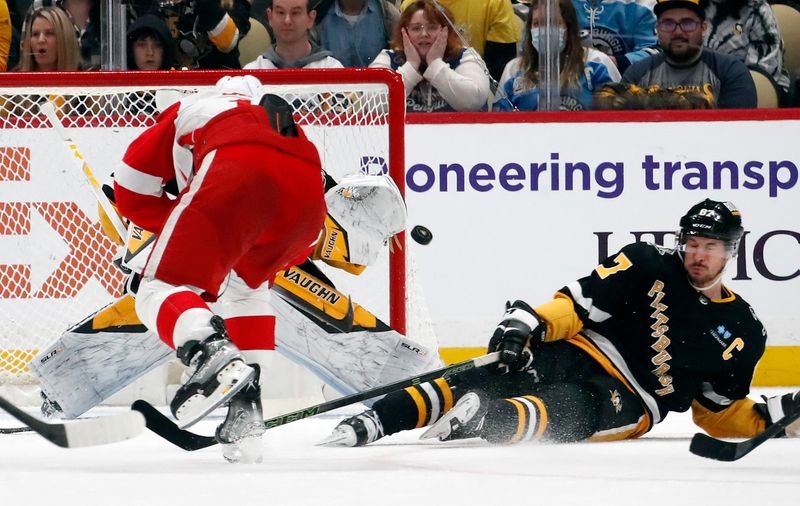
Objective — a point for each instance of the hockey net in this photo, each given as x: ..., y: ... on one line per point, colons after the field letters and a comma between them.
x: 56, y: 264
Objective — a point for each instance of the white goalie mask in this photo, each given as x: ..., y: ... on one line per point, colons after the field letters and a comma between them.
x: 247, y: 86
x: 371, y: 210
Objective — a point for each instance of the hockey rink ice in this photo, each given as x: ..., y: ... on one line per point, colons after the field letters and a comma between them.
x: 398, y: 470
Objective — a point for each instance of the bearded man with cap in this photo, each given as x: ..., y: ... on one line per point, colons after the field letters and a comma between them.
x: 685, y: 66
x: 651, y: 330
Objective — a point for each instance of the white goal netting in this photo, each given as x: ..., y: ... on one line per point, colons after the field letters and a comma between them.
x: 55, y: 262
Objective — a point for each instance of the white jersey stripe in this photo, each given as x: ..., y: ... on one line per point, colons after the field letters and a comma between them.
x: 137, y: 181
x: 596, y: 315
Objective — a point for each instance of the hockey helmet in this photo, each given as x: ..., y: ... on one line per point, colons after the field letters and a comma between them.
x: 714, y: 220
x: 247, y: 86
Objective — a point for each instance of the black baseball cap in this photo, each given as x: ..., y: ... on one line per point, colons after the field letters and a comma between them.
x: 698, y: 6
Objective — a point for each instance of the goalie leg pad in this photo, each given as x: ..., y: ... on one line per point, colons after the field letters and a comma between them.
x: 95, y: 359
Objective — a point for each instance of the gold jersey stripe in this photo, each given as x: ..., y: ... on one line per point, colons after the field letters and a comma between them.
x: 422, y: 411
x: 447, y: 394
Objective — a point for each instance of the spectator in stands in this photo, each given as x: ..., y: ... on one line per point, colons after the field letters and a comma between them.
x: 150, y: 44
x: 623, y: 29
x: 206, y: 32
x: 355, y: 31
x: 291, y: 21
x: 490, y: 27
x: 583, y: 69
x: 5, y: 35
x: 439, y: 73
x: 747, y: 29
x: 49, y: 42
x: 685, y: 65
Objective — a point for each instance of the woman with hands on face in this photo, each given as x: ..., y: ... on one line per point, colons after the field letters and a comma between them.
x: 439, y: 72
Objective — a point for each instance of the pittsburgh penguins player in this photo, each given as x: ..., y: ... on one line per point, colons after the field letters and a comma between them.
x: 649, y: 331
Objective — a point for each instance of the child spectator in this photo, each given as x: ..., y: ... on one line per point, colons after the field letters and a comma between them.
x: 150, y: 45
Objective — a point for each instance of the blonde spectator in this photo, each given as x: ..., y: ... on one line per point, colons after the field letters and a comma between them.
x: 439, y: 73
x: 583, y: 69
x: 48, y: 42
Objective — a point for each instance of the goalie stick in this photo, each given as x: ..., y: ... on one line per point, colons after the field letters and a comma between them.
x: 80, y: 433
x: 728, y: 451
x: 48, y: 109
x: 189, y: 441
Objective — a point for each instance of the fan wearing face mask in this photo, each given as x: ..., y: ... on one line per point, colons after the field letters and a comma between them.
x: 582, y: 69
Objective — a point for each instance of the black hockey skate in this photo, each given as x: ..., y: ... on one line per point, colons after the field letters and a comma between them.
x: 240, y: 433
x: 219, y: 373
x: 358, y: 430
x: 463, y: 421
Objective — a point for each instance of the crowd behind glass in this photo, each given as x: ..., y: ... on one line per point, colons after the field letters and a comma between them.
x: 453, y: 55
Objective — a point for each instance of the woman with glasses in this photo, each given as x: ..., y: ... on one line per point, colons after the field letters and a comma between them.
x: 439, y: 72
x: 582, y: 70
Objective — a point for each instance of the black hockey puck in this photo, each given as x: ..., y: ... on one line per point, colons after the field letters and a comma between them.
x: 421, y: 234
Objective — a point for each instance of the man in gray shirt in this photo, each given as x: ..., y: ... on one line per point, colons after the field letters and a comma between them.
x: 685, y: 66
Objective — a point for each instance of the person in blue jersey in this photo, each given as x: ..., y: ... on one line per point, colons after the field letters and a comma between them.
x: 583, y: 70
x: 623, y: 29
x: 440, y: 74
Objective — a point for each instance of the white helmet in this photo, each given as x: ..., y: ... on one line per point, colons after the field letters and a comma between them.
x: 247, y: 86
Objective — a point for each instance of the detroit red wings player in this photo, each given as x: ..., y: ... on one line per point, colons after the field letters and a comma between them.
x: 250, y: 203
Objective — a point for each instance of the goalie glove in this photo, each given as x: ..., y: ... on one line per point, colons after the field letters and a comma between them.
x: 520, y: 328
x: 779, y: 406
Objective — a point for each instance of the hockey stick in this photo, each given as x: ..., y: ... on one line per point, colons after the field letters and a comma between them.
x: 14, y: 430
x: 80, y: 433
x: 728, y: 451
x: 48, y: 109
x: 167, y: 429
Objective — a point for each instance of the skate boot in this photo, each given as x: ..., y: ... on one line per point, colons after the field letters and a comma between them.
x: 358, y: 430
x: 240, y: 433
x: 464, y: 420
x: 219, y: 373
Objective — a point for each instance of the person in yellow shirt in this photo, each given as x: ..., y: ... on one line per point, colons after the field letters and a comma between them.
x: 5, y: 35
x: 489, y: 26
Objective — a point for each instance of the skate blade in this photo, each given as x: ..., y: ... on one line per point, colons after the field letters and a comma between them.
x: 339, y: 438
x: 232, y: 378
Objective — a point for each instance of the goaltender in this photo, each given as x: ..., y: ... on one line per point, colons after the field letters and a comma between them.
x: 649, y: 331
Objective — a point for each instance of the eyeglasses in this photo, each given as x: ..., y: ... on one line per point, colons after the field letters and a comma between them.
x: 687, y: 25
x: 418, y: 29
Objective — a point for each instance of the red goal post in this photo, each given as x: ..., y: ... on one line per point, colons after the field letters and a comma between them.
x: 56, y: 265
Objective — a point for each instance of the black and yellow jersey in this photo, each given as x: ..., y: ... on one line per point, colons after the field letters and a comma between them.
x: 673, y: 345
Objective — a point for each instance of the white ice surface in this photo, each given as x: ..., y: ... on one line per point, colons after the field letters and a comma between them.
x: 399, y: 470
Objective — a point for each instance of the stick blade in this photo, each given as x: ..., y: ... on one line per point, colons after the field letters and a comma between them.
x: 706, y: 446
x: 103, y: 430
x: 165, y: 428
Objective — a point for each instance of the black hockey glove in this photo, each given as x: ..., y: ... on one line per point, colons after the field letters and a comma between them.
x: 779, y: 406
x: 209, y: 14
x: 521, y: 327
